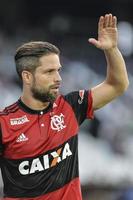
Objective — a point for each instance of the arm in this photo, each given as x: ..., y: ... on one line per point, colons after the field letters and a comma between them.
x: 116, y: 81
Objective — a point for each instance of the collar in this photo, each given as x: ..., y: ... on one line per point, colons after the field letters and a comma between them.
x: 31, y: 111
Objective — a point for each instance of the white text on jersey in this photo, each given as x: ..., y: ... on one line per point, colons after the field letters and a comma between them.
x: 37, y: 165
x: 20, y: 120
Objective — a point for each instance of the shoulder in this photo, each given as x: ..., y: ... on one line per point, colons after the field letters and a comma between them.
x: 76, y: 96
x: 9, y: 109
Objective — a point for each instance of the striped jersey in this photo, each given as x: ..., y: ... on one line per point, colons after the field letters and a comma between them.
x: 39, y: 148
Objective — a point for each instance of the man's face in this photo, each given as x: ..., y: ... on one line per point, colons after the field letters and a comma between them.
x: 46, y: 79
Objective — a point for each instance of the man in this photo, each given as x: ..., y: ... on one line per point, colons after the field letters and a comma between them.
x: 39, y: 155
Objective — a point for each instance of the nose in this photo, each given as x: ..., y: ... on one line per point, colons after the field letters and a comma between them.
x: 58, y: 77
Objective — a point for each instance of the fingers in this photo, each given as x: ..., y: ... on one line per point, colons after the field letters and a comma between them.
x: 107, y: 21
x: 101, y: 23
x: 114, y: 22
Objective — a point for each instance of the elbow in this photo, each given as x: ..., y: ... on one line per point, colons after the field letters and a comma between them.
x: 123, y: 87
x: 127, y: 85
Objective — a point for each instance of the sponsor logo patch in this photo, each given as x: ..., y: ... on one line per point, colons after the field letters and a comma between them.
x: 46, y: 161
x: 20, y: 120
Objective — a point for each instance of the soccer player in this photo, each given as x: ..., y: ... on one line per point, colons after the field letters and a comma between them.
x: 39, y: 133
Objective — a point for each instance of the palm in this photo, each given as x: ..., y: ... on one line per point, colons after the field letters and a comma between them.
x: 107, y: 33
x: 107, y: 38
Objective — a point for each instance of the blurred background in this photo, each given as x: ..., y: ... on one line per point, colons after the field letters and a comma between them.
x: 105, y: 143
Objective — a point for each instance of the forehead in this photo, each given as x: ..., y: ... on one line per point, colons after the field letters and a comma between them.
x: 50, y: 60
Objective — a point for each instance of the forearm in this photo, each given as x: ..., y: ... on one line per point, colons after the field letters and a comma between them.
x: 116, y: 69
x: 116, y: 81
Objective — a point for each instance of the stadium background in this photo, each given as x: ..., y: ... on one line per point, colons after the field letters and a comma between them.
x: 106, y: 143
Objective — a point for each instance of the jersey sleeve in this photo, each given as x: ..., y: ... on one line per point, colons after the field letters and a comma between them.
x: 81, y: 103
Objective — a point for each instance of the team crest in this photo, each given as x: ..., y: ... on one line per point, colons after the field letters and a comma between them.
x: 57, y: 122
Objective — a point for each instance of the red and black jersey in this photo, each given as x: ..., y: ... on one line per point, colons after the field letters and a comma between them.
x: 39, y: 148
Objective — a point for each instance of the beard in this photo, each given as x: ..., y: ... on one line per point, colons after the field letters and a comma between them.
x: 43, y: 95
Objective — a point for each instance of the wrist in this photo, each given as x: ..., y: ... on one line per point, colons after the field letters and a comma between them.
x: 111, y: 50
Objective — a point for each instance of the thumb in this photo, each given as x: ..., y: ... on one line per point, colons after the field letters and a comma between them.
x: 94, y: 42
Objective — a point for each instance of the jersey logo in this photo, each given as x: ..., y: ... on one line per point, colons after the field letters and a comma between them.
x: 54, y: 105
x: 20, y: 120
x: 81, y: 96
x: 22, y: 138
x: 46, y: 161
x: 57, y: 122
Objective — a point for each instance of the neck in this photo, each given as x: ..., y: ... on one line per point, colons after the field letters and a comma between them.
x: 34, y: 104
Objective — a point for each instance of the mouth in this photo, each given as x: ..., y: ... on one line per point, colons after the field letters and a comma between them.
x: 55, y: 87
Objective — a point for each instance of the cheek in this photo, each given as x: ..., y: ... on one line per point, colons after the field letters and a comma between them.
x: 40, y: 79
x: 42, y: 82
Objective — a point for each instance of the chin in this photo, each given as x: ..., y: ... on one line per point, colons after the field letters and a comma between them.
x: 55, y: 94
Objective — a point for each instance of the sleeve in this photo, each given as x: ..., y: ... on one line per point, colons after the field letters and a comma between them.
x: 81, y: 103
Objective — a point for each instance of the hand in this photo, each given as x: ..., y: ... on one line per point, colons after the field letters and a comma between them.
x: 107, y: 33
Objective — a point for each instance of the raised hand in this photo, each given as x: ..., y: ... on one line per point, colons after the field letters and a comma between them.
x: 107, y: 33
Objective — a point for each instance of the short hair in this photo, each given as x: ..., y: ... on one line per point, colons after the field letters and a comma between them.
x: 27, y: 56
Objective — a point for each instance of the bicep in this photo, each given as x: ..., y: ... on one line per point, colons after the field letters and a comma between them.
x: 103, y: 94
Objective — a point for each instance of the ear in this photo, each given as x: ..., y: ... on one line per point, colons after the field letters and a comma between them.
x: 27, y: 77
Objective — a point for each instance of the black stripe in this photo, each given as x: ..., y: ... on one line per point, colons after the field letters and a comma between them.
x: 45, y: 181
x: 10, y: 109
x: 11, y: 106
x: 6, y: 112
x: 79, y: 109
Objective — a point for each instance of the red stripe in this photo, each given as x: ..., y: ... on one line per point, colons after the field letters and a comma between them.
x: 90, y: 113
x: 70, y: 191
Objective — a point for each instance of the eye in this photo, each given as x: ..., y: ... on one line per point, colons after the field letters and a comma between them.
x: 50, y: 71
x: 59, y: 70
